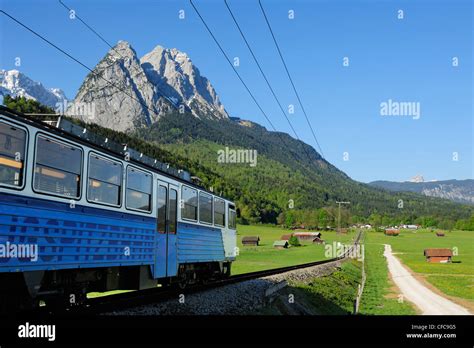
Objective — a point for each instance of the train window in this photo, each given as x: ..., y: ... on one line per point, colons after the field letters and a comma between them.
x: 162, y: 198
x: 12, y: 155
x: 173, y: 210
x: 105, y: 181
x: 219, y: 212
x: 205, y: 208
x: 232, y: 218
x: 139, y: 189
x: 57, y: 168
x: 189, y: 204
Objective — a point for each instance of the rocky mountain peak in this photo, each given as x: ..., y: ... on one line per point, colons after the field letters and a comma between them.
x: 174, y: 72
x: 142, y: 90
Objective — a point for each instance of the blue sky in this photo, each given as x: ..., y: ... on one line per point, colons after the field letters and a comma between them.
x: 408, y: 60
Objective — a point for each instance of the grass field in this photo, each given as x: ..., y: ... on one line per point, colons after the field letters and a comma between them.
x: 335, y: 293
x: 455, y: 279
x: 265, y: 256
x: 379, y: 296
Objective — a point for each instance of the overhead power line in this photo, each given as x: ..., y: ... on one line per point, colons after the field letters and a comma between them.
x: 290, y: 78
x: 214, y: 111
x: 264, y: 76
x: 238, y: 75
x: 96, y: 33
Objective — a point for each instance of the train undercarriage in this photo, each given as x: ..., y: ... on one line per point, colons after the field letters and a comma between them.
x: 62, y: 289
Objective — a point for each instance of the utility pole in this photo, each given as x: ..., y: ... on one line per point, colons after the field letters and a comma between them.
x: 339, y: 215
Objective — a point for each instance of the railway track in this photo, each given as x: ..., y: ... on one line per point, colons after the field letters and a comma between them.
x: 150, y: 296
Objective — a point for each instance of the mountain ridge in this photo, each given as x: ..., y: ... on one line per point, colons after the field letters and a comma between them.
x: 17, y: 84
x: 291, y: 175
x: 461, y: 191
x: 144, y: 89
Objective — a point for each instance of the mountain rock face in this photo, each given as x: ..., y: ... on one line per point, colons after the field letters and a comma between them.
x: 125, y: 93
x: 117, y: 93
x: 461, y: 191
x: 17, y: 84
x: 176, y: 76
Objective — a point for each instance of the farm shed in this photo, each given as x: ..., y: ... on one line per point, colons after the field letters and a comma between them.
x: 251, y: 240
x: 440, y: 234
x: 392, y: 232
x: 286, y: 236
x: 318, y: 240
x: 307, y: 236
x: 280, y: 244
x: 438, y: 255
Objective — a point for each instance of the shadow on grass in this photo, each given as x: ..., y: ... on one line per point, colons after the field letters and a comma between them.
x: 318, y: 304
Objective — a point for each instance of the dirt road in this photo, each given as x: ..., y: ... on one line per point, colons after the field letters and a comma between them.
x: 426, y: 300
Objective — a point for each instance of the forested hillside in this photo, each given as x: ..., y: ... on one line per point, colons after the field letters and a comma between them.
x: 290, y: 184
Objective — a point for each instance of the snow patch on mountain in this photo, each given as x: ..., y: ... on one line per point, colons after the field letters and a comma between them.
x: 17, y: 84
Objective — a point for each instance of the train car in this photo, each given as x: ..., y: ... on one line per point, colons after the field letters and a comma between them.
x: 77, y: 216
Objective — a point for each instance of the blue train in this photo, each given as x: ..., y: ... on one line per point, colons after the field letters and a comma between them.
x: 80, y: 215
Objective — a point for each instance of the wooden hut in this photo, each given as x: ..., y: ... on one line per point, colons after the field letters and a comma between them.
x: 250, y: 240
x: 286, y: 236
x: 439, y: 234
x: 281, y: 244
x: 438, y: 255
x: 307, y: 236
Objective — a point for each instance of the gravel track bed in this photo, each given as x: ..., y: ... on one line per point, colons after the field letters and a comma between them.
x: 233, y: 299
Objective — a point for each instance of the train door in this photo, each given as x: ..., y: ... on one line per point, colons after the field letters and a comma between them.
x: 166, y: 258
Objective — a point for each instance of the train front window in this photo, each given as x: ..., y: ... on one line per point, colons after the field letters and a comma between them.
x: 219, y: 212
x: 105, y: 181
x: 139, y: 189
x: 57, y: 168
x: 12, y: 155
x: 189, y: 206
x: 205, y: 208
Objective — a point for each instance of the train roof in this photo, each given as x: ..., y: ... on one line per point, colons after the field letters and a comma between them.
x: 68, y: 129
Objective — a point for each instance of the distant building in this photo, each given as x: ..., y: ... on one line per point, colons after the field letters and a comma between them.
x: 438, y: 255
x: 280, y: 244
x: 307, y: 236
x: 286, y: 236
x: 440, y: 234
x: 250, y: 240
x: 410, y: 227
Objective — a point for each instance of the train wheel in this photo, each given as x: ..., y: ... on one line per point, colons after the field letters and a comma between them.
x: 183, y: 283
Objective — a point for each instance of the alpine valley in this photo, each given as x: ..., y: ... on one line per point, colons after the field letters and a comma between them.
x: 161, y: 104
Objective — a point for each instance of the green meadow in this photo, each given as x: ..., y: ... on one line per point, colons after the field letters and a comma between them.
x: 454, y: 279
x: 265, y: 256
x: 380, y: 297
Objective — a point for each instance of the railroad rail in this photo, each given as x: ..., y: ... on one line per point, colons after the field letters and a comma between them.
x: 150, y: 296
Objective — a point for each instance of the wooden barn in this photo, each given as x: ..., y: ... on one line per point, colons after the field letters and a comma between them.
x: 392, y: 232
x: 438, y: 255
x: 250, y: 240
x: 281, y: 244
x: 307, y: 236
